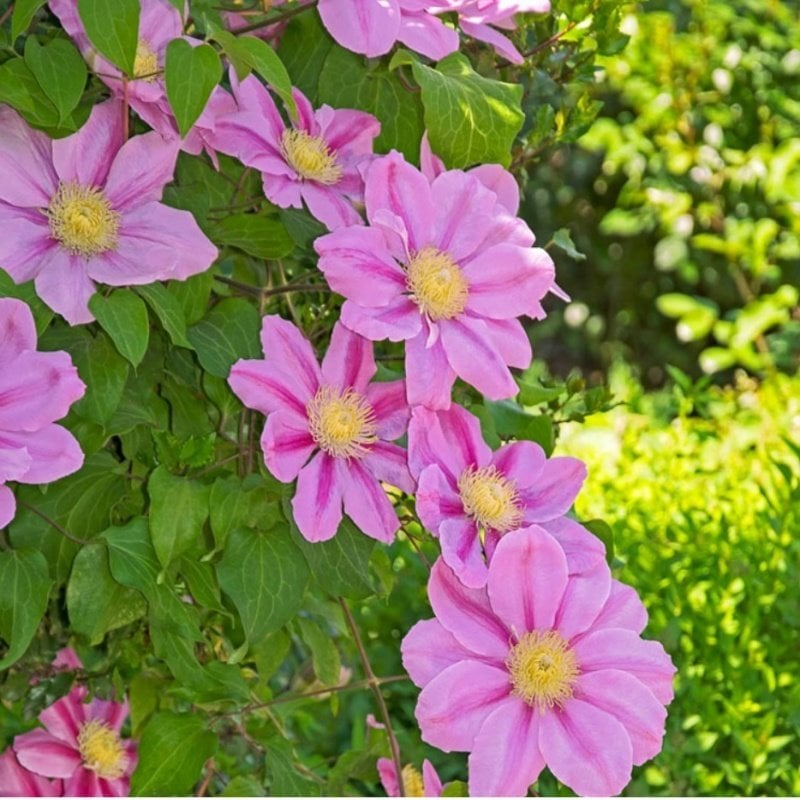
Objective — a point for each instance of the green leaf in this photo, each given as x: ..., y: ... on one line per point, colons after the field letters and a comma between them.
x: 123, y: 316
x: 243, y: 786
x: 563, y: 238
x: 512, y: 422
x: 304, y: 46
x: 259, y: 236
x: 325, y: 656
x: 455, y: 789
x: 229, y: 332
x: 178, y: 510
x: 95, y: 601
x: 20, y: 89
x: 265, y: 61
x: 284, y: 779
x: 470, y: 119
x: 172, y: 751
x: 60, y: 70
x: 235, y: 504
x: 265, y: 576
x: 191, y: 74
x: 24, y: 589
x: 113, y: 28
x: 168, y: 310
x: 24, y: 12
x: 202, y: 582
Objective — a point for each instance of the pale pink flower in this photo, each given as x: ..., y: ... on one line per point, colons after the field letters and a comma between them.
x: 314, y: 161
x: 86, y: 208
x: 415, y: 784
x: 16, y: 781
x: 446, y: 267
x: 470, y: 497
x: 81, y: 744
x: 540, y: 668
x: 67, y: 660
x: 372, y: 27
x: 36, y: 389
x: 336, y: 413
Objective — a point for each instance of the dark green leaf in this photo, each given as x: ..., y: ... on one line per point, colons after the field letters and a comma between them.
x: 24, y: 12
x: 605, y: 533
x: 191, y: 73
x: 266, y: 62
x: 325, y: 656
x: 168, y: 310
x: 304, y: 46
x: 113, y: 28
x: 20, y: 89
x: 123, y: 316
x: 259, y: 236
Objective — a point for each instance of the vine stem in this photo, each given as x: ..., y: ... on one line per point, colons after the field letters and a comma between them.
x: 289, y: 287
x: 552, y: 40
x: 272, y: 20
x: 375, y: 685
x: 63, y: 531
x: 6, y: 14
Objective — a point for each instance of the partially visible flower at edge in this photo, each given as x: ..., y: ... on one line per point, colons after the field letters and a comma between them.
x: 16, y: 781
x: 426, y: 784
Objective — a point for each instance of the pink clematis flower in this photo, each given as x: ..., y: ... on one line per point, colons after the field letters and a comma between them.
x: 470, y: 497
x: 415, y: 784
x: 335, y: 412
x: 315, y: 161
x: 445, y: 266
x: 35, y: 390
x: 81, y: 744
x: 540, y: 668
x: 67, y: 660
x: 372, y: 27
x: 86, y: 208
x: 159, y: 23
x: 16, y: 781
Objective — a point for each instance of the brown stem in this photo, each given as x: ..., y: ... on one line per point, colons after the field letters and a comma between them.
x: 6, y: 14
x: 63, y: 531
x: 552, y: 40
x: 280, y: 17
x: 209, y: 769
x: 375, y: 686
x: 289, y: 287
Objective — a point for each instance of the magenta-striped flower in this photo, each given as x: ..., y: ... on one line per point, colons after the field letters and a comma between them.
x: 16, y: 781
x: 334, y: 415
x: 446, y: 267
x: 539, y: 668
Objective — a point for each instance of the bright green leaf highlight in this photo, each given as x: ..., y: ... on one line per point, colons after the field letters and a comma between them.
x: 262, y: 237
x: 24, y: 12
x: 123, y: 316
x: 191, y: 74
x: 113, y: 28
x: 60, y: 70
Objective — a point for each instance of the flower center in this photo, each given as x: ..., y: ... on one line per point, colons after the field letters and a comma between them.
x: 310, y: 157
x: 412, y: 782
x: 101, y: 750
x: 436, y: 283
x: 543, y: 669
x: 490, y: 498
x: 82, y: 220
x: 145, y: 65
x: 341, y: 423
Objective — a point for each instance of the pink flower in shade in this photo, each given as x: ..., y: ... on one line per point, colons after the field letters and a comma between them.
x: 86, y: 208
x: 372, y: 27
x: 235, y: 20
x: 67, y: 660
x: 159, y: 23
x: 315, y: 161
x: 35, y: 390
x: 16, y: 781
x: 81, y: 744
x: 335, y: 412
x: 539, y: 668
x: 415, y: 784
x: 445, y: 266
x: 470, y: 497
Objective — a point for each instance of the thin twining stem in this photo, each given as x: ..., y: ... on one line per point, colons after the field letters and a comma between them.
x: 63, y: 531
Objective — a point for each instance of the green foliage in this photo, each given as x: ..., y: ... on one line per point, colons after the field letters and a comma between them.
x: 113, y: 28
x: 191, y: 74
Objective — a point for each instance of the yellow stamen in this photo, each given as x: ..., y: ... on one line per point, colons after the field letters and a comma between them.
x: 145, y: 65
x: 490, y: 498
x: 341, y: 423
x: 82, y: 220
x: 436, y: 284
x: 412, y: 782
x: 543, y: 669
x: 310, y: 157
x: 101, y: 750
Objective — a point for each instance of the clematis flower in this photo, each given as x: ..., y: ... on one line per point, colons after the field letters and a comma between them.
x: 36, y: 389
x: 86, y: 208
x: 372, y: 27
x: 446, y: 267
x: 335, y: 413
x: 159, y: 23
x: 415, y: 784
x: 81, y: 744
x: 539, y: 668
x: 313, y: 162
x: 16, y: 781
x: 470, y: 497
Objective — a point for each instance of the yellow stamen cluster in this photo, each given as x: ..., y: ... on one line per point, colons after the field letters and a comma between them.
x: 436, y: 284
x: 491, y: 499
x: 543, y: 669
x: 145, y: 65
x: 310, y: 157
x: 412, y: 782
x: 101, y: 750
x: 82, y: 220
x: 341, y: 423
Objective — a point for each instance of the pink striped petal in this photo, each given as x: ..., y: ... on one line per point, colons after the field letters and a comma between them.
x: 349, y: 362
x: 583, y: 550
x: 366, y: 503
x: 397, y: 321
x: 54, y: 451
x: 363, y: 26
x: 287, y: 445
x: 329, y: 205
x: 510, y: 340
x: 286, y: 346
x: 388, y: 463
x: 429, y: 374
x: 388, y: 401
x: 17, y: 329
x: 44, y: 754
x: 583, y: 599
x: 63, y: 283
x: 501, y: 182
x: 317, y: 503
x: 29, y: 179
x: 463, y: 213
x: 462, y: 551
x: 431, y: 782
x: 267, y: 387
x: 554, y: 489
x: 429, y: 648
x: 437, y: 500
x: 623, y: 609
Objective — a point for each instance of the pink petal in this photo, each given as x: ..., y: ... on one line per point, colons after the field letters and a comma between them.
x: 527, y: 579
x: 466, y: 613
x: 287, y: 445
x: 522, y: 462
x: 388, y: 464
x: 350, y: 131
x: 616, y: 648
x: 501, y: 44
x: 267, y: 387
x: 363, y: 26
x: 429, y: 374
x: 29, y: 179
x: 54, y: 450
x: 317, y: 503
x: 65, y: 717
x: 428, y: 35
x: 286, y: 346
x: 454, y: 705
x: 397, y: 321
x: 252, y: 96
x: 584, y: 597
x: 17, y: 329
x: 437, y: 500
x: 63, y: 283
x: 112, y: 713
x: 462, y: 551
x: 85, y: 156
x: 586, y: 748
x: 554, y: 490
x: 430, y: 164
x: 8, y: 506
x: 242, y: 134
x: 388, y: 775
x: 84, y: 783
x: 366, y: 503
x: 41, y: 752
x: 429, y: 648
x: 329, y: 205
x: 510, y: 340
x: 26, y: 241
x: 430, y: 780
x: 623, y: 609
x: 505, y: 758
x: 16, y: 781
x: 388, y: 401
x: 15, y: 461
x: 305, y: 113
x: 631, y: 703
x: 583, y: 550
x: 501, y: 182
x: 349, y: 362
